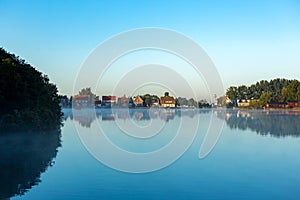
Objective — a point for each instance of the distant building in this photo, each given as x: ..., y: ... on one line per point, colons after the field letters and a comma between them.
x: 109, y: 101
x: 231, y: 102
x: 138, y: 101
x: 167, y: 101
x: 83, y: 101
x: 123, y: 102
x: 243, y: 103
x: 293, y: 104
x: 228, y: 101
x: 276, y: 105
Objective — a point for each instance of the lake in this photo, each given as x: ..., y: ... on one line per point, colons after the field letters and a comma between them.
x: 157, y: 154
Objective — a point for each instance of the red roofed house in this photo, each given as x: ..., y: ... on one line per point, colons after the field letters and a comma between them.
x: 82, y: 101
x: 109, y: 101
x: 123, y: 102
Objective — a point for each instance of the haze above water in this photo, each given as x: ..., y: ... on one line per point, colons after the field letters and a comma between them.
x: 256, y: 157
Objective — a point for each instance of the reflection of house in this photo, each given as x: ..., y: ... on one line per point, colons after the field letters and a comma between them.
x: 109, y: 101
x: 138, y: 115
x: 138, y: 101
x: 108, y: 115
x: 167, y: 101
x: 276, y: 105
x: 85, y: 117
x: 243, y: 103
x: 123, y: 101
x: 82, y: 101
x: 167, y: 115
x: 98, y: 104
x: 122, y: 114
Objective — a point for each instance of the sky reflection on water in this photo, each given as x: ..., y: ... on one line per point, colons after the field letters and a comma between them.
x: 243, y: 164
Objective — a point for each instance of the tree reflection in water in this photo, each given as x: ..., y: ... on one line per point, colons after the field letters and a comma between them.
x: 24, y: 156
x: 277, y: 123
x: 86, y: 117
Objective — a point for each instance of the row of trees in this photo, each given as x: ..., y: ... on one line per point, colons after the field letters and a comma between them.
x: 277, y: 90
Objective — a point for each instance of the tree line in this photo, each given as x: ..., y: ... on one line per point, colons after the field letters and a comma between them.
x: 276, y: 90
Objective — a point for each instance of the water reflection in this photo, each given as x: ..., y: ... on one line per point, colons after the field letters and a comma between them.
x: 85, y: 117
x: 23, y: 158
x: 277, y: 123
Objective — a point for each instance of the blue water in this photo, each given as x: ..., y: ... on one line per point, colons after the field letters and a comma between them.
x: 257, y: 156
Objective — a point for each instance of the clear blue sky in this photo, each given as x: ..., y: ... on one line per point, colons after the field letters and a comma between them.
x: 247, y: 40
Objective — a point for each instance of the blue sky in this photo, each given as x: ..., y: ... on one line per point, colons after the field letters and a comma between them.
x: 247, y: 41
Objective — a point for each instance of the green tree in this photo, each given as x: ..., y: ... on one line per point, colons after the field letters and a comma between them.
x: 182, y: 101
x: 192, y: 102
x: 147, y: 100
x: 298, y: 93
x: 278, y: 90
x: 232, y: 92
x: 221, y: 101
x: 265, y: 97
x: 242, y: 92
x: 28, y: 100
x: 292, y: 91
x: 88, y: 91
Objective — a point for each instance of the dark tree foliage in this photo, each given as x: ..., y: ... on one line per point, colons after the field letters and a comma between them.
x: 149, y: 99
x: 277, y: 90
x: 28, y: 100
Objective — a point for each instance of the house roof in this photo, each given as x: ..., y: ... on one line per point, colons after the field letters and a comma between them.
x: 167, y: 99
x: 138, y: 100
x: 109, y: 97
x: 122, y: 99
x: 81, y: 97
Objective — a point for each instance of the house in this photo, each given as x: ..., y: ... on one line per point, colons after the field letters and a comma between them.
x: 109, y: 101
x: 243, y: 103
x: 123, y: 102
x: 138, y: 101
x: 276, y: 105
x: 108, y: 115
x: 293, y: 104
x: 231, y: 103
x: 228, y: 101
x: 83, y: 101
x: 167, y: 101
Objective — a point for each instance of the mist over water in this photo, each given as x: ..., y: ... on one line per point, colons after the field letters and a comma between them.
x: 256, y: 154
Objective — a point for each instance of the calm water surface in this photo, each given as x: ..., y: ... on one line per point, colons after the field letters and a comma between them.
x: 257, y: 156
